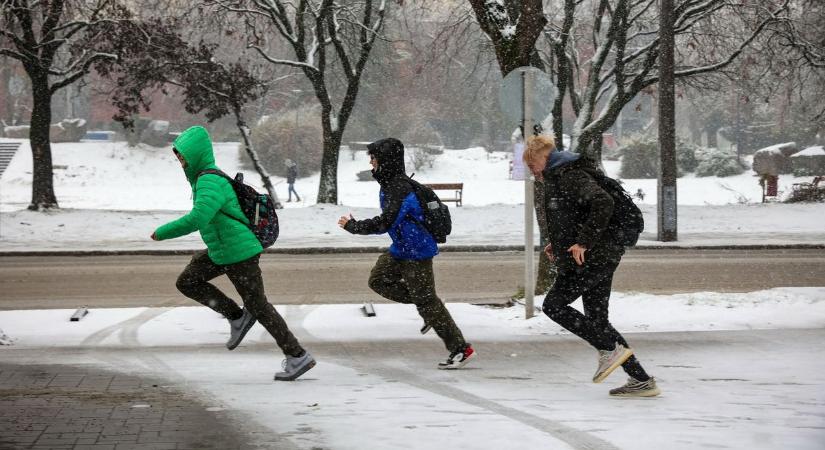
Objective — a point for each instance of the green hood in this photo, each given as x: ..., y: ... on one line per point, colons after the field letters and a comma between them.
x: 196, y: 147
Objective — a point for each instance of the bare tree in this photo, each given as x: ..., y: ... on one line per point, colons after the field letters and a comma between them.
x: 209, y: 86
x: 57, y: 42
x: 603, y: 53
x: 328, y: 39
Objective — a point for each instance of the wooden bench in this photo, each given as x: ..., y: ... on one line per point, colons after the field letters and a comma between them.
x: 458, y: 188
x: 812, y: 191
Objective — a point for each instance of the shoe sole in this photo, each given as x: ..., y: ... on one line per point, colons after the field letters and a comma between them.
x: 640, y: 394
x: 425, y: 329
x: 298, y: 373
x: 601, y: 377
x: 459, y: 365
x: 245, y: 330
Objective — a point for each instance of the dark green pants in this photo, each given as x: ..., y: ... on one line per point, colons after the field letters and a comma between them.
x: 247, y: 279
x: 413, y: 282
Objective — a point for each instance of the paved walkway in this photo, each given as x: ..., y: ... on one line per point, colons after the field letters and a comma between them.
x: 63, y: 407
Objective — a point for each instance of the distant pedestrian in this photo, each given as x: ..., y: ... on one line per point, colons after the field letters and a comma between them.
x: 232, y: 250
x: 291, y: 175
x: 578, y: 211
x: 405, y: 273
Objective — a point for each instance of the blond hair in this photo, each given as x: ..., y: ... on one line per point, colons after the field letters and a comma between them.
x: 538, y: 145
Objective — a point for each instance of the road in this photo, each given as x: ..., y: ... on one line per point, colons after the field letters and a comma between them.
x: 36, y: 282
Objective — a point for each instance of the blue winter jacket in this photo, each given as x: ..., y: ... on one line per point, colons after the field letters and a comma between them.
x: 401, y: 213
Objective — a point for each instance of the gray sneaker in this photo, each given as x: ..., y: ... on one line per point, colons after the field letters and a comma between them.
x: 238, y: 329
x: 295, y: 366
x: 609, y: 360
x: 636, y: 388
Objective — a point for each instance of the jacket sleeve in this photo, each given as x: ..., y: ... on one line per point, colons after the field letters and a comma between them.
x: 208, y: 201
x: 394, y: 198
x: 595, y: 200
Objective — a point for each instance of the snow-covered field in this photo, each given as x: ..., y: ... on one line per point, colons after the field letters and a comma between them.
x: 113, y: 197
x: 114, y: 176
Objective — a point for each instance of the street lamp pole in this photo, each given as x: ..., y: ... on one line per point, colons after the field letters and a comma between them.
x: 666, y: 208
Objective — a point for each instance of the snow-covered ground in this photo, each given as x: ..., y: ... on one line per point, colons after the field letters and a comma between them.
x: 111, y: 175
x: 316, y: 226
x: 113, y: 197
x: 779, y: 308
x: 736, y: 371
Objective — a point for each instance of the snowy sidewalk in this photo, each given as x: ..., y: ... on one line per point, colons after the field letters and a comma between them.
x: 747, y: 389
x: 737, y: 371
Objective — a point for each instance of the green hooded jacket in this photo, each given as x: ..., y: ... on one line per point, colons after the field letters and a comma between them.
x: 215, y: 205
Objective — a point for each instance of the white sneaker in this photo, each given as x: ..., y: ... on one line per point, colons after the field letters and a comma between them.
x: 636, y: 388
x: 295, y: 366
x: 609, y: 360
x: 238, y: 329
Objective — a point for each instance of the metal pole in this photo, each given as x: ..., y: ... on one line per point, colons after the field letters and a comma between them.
x: 666, y: 208
x: 529, y: 240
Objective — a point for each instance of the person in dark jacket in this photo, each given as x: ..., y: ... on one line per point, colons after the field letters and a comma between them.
x: 232, y: 250
x: 578, y: 211
x: 291, y: 175
x: 405, y: 273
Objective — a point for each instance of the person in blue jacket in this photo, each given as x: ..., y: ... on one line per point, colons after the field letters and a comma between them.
x: 404, y: 274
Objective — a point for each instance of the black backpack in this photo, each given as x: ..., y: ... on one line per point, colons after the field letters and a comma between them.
x: 437, y: 218
x: 258, y: 209
x: 627, y: 222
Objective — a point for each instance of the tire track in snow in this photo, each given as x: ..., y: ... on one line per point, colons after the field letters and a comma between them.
x: 128, y: 335
x: 577, y: 439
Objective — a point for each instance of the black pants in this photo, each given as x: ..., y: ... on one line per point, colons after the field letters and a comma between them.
x: 593, y: 285
x: 246, y: 277
x: 414, y: 282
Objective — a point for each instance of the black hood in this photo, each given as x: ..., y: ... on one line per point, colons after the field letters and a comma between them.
x: 389, y: 153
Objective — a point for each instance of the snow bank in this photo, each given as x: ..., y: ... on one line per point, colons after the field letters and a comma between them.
x: 778, y: 149
x: 810, y: 151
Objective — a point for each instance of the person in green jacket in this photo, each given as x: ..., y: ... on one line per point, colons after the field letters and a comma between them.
x: 232, y: 250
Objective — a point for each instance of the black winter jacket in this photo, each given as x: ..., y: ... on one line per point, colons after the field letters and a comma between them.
x: 578, y: 211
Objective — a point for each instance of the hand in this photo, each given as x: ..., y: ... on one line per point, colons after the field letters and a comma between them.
x: 578, y: 253
x: 342, y: 222
x: 548, y: 250
x: 154, y: 237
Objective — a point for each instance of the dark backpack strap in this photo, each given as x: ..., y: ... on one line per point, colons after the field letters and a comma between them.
x: 214, y: 172
x: 231, y: 180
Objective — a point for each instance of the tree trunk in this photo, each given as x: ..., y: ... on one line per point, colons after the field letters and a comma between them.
x: 256, y: 162
x: 328, y: 185
x: 42, y: 177
x: 6, y: 73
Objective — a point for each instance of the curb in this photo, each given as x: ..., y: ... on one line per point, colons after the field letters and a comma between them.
x: 361, y: 250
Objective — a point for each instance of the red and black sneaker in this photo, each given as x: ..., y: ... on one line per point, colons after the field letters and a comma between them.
x: 457, y: 360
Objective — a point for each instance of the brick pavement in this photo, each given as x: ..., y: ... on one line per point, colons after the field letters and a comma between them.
x: 63, y: 407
